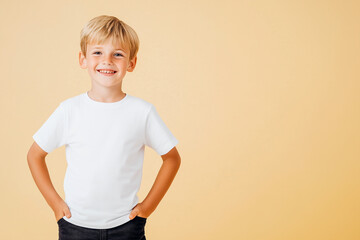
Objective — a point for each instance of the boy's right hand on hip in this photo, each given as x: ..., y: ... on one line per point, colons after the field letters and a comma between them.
x: 62, y: 210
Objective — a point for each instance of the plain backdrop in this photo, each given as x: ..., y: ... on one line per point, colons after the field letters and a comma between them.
x: 263, y: 97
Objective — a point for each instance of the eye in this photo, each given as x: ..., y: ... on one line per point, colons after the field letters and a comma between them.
x: 95, y: 52
x: 119, y: 54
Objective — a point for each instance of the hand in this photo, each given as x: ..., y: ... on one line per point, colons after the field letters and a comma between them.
x: 62, y: 210
x: 139, y: 210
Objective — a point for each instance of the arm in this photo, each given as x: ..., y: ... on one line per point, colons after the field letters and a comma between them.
x: 167, y: 172
x: 36, y: 161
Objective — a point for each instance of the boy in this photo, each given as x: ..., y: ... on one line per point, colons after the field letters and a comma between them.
x: 105, y: 132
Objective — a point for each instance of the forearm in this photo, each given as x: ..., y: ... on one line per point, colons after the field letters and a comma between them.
x: 162, y: 183
x: 41, y: 177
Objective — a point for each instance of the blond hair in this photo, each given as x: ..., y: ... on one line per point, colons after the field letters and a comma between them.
x: 101, y: 28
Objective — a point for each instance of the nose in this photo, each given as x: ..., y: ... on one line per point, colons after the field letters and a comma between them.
x: 107, y: 59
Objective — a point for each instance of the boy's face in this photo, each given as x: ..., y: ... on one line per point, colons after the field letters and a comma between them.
x: 110, y: 57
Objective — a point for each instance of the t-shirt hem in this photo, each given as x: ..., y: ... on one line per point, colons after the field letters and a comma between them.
x: 113, y: 224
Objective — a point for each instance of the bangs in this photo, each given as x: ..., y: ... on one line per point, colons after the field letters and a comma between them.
x: 102, y: 28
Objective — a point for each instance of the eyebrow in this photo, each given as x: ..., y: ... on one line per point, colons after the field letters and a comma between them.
x: 97, y: 46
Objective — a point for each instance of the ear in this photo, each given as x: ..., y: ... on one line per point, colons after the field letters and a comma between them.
x: 132, y: 64
x: 82, y: 60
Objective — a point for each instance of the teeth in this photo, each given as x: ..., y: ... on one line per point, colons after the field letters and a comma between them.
x: 103, y: 71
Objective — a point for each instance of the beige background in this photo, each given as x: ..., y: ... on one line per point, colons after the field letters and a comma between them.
x: 262, y: 95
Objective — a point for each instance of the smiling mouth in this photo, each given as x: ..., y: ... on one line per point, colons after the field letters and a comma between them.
x: 107, y: 73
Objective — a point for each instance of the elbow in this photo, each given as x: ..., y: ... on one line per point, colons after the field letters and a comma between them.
x: 29, y: 156
x: 178, y: 161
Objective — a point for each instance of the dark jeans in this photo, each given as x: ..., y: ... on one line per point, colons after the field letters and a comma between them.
x: 131, y: 230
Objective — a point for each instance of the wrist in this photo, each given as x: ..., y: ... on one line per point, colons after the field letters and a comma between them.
x: 148, y: 207
x: 55, y: 201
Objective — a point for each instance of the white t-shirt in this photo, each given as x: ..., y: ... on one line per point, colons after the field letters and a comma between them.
x: 105, y: 145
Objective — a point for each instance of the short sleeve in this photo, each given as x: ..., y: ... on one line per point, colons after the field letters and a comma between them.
x: 157, y: 134
x: 51, y: 134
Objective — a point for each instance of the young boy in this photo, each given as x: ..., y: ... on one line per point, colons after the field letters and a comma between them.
x: 105, y: 132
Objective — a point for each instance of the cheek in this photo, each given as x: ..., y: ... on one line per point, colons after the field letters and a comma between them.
x: 92, y: 64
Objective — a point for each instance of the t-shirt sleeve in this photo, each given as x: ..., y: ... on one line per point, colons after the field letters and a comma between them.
x: 51, y: 134
x: 157, y: 134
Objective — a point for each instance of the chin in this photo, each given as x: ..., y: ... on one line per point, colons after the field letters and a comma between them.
x: 108, y: 84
